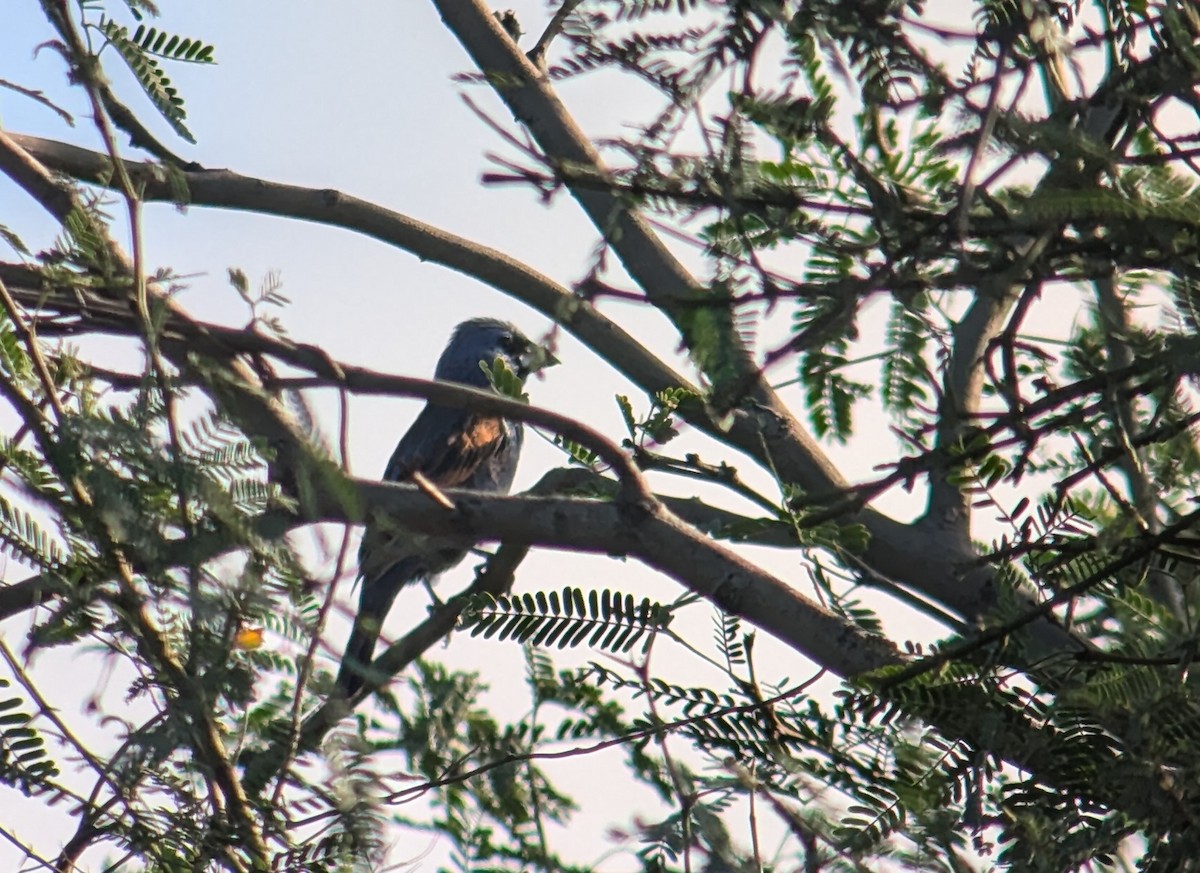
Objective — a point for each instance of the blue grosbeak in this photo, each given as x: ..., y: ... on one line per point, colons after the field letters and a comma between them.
x: 452, y: 448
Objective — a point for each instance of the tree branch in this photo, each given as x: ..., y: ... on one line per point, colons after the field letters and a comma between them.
x: 764, y: 428
x: 229, y: 190
x: 663, y: 542
x: 61, y: 202
x: 765, y: 431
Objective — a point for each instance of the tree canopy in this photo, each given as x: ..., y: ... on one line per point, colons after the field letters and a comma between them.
x: 962, y: 240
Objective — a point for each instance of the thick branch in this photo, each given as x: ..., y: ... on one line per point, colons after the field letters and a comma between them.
x: 764, y: 428
x: 662, y: 541
x: 765, y: 431
x: 527, y: 92
x: 230, y: 190
x: 773, y: 436
x: 655, y: 536
x: 949, y: 505
x: 789, y: 449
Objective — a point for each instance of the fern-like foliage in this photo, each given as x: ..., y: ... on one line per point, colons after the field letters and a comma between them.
x: 23, y: 538
x: 142, y: 50
x: 605, y: 619
x: 25, y: 762
x: 888, y: 245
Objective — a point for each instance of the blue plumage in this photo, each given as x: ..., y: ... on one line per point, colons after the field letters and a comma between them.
x: 453, y: 448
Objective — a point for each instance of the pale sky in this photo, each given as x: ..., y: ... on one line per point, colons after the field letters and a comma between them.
x: 359, y: 97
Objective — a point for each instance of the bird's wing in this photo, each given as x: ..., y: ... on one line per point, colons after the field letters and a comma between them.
x: 448, y: 446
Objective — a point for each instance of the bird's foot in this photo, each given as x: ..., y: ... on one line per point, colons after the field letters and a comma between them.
x: 437, y: 602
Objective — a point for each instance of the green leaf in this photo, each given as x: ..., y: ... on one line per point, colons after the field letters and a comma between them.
x: 163, y: 95
x: 504, y: 379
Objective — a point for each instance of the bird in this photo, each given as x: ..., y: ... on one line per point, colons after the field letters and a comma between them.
x: 452, y: 448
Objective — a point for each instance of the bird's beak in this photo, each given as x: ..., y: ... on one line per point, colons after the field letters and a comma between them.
x: 537, y: 357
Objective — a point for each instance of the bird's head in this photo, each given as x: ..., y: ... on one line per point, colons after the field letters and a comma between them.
x: 483, y: 340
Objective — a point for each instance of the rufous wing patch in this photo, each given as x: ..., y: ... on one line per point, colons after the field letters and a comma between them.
x: 479, y: 438
x: 481, y: 433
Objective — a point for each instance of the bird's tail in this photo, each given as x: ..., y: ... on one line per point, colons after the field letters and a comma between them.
x: 356, y: 660
x: 374, y: 602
